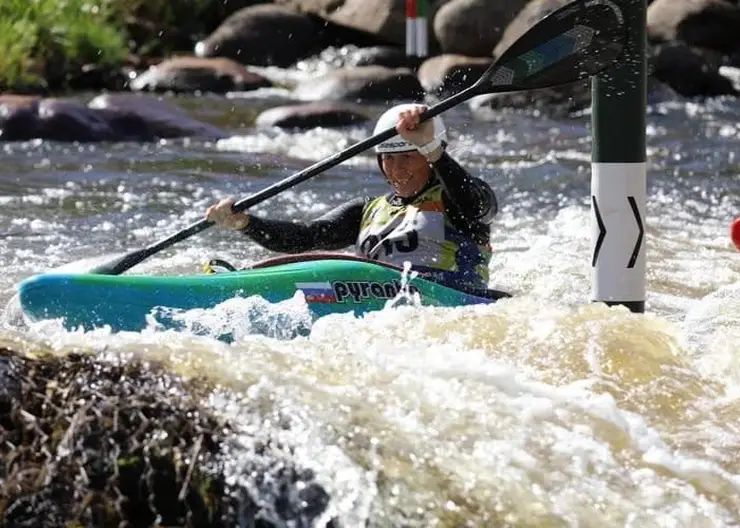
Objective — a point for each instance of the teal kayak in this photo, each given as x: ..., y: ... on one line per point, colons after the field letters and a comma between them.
x: 329, y: 283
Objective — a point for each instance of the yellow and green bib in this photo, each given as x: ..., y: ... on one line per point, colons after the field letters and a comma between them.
x: 420, y: 232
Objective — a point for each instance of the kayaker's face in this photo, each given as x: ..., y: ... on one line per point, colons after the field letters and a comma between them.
x: 407, y: 172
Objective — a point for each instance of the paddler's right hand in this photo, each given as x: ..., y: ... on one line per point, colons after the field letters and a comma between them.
x: 224, y: 215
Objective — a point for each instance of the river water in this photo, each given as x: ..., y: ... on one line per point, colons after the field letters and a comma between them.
x: 541, y: 410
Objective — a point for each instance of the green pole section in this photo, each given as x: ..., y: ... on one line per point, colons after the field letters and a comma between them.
x: 422, y: 29
x: 619, y: 177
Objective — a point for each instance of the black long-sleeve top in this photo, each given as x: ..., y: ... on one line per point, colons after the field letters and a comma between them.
x: 469, y: 202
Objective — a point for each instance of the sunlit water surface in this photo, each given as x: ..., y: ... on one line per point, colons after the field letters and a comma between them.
x: 541, y: 410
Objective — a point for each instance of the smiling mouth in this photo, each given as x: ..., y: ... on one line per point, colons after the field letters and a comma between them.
x: 402, y: 181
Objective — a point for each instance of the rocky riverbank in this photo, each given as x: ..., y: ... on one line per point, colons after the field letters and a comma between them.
x: 89, y: 442
x: 238, y: 45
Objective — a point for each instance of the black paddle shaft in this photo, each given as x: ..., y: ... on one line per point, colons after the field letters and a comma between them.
x: 570, y: 44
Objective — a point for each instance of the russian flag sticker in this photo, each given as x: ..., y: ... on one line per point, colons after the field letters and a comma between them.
x: 317, y: 292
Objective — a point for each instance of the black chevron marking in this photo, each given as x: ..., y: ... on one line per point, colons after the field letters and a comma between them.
x: 602, y: 232
x: 641, y: 234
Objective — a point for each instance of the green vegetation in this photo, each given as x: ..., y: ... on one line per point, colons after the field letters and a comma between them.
x: 42, y: 39
x: 44, y: 42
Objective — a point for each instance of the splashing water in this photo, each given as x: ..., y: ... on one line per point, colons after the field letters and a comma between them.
x: 540, y: 410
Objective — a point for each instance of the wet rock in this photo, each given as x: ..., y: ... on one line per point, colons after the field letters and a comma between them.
x: 388, y: 56
x: 18, y: 115
x: 445, y: 75
x: 474, y: 27
x: 53, y: 119
x: 281, y: 495
x: 690, y: 71
x: 314, y: 7
x: 72, y: 121
x: 560, y: 100
x: 383, y: 20
x: 386, y: 19
x: 120, y: 117
x: 9, y: 101
x: 713, y: 24
x: 190, y: 74
x: 151, y: 118
x: 532, y: 13
x: 311, y: 115
x: 98, y: 77
x: 337, y: 35
x: 216, y: 12
x: 556, y: 102
x: 367, y: 83
x: 732, y: 74
x: 263, y: 35
x: 659, y: 92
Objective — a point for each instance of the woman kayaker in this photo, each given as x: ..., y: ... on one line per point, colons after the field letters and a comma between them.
x: 437, y: 216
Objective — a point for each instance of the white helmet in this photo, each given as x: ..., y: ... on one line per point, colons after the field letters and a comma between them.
x: 390, y: 118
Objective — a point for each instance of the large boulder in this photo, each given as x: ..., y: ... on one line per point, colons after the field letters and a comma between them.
x: 713, y: 24
x: 445, y: 75
x: 732, y: 74
x: 18, y: 115
x: 367, y: 83
x: 151, y: 118
x: 190, y: 74
x: 385, y: 19
x: 213, y: 13
x: 53, y: 119
x: 474, y: 27
x: 532, y: 13
x: 388, y: 56
x: 263, y: 35
x: 120, y: 117
x: 556, y: 102
x: 310, y: 115
x: 561, y: 101
x: 690, y: 71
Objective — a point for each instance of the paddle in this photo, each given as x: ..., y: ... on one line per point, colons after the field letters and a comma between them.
x: 570, y: 44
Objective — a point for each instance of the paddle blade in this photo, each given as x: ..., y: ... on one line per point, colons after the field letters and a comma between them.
x: 572, y: 43
x: 86, y: 264
x: 121, y: 264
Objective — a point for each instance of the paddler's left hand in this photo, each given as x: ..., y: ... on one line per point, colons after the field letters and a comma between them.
x: 420, y: 134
